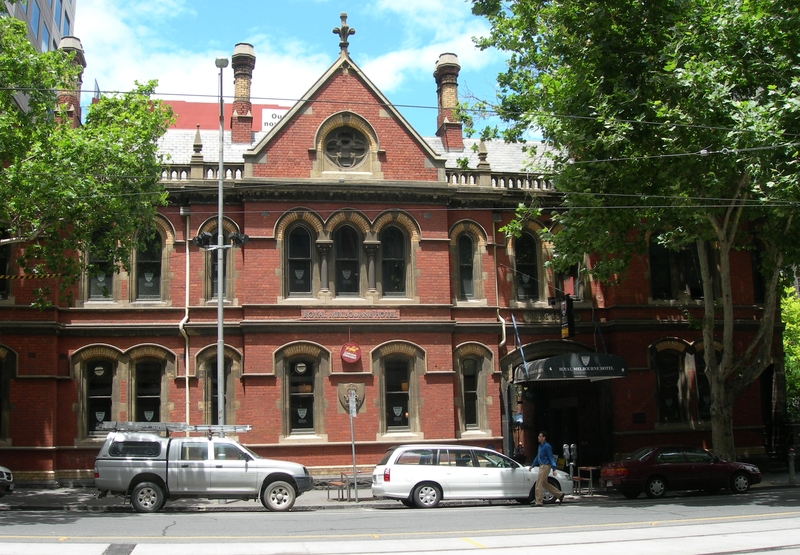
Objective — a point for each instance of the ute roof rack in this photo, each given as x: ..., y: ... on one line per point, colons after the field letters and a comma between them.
x: 210, y: 429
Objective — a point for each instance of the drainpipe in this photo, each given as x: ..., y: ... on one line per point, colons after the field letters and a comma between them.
x: 497, y: 285
x: 182, y: 324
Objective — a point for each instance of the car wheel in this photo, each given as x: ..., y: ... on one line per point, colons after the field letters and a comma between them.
x: 740, y: 482
x: 278, y: 496
x: 527, y: 500
x: 427, y: 496
x: 631, y: 494
x: 548, y: 497
x: 147, y: 497
x: 656, y: 487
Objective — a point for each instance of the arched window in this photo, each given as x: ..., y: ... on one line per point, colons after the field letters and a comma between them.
x: 469, y: 388
x: 212, y: 390
x: 675, y: 274
x: 99, y: 385
x: 100, y: 273
x: 214, y: 273
x: 393, y: 265
x: 347, y: 247
x: 466, y: 251
x: 148, y: 270
x: 5, y: 269
x: 397, y: 376
x: 299, y: 262
x: 527, y: 267
x: 147, y: 387
x: 671, y: 397
x: 301, y: 397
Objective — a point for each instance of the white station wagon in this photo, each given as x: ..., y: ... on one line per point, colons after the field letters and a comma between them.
x: 423, y: 475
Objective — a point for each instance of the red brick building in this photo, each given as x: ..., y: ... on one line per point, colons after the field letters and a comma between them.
x: 374, y: 263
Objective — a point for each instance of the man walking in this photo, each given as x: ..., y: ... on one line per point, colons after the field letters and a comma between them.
x: 544, y: 458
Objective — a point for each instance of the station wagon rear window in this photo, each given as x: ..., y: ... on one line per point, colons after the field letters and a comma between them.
x: 134, y: 449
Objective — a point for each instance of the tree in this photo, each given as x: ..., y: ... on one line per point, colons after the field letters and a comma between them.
x: 790, y: 313
x: 677, y: 118
x: 66, y: 191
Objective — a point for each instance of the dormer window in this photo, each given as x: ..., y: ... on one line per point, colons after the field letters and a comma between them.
x: 346, y: 147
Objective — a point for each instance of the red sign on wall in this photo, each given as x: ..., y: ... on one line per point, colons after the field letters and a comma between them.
x: 351, y: 352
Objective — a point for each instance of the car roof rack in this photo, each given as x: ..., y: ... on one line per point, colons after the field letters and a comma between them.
x: 209, y: 430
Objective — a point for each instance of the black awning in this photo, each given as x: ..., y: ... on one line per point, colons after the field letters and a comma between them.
x: 572, y: 366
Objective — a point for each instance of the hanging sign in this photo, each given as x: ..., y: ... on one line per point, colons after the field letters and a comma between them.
x: 351, y: 352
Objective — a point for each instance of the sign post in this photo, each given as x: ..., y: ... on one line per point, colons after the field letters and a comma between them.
x: 351, y: 400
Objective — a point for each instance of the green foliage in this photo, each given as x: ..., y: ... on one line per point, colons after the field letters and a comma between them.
x: 676, y: 117
x: 65, y: 191
x: 790, y: 309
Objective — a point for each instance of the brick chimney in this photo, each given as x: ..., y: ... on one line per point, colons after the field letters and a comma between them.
x: 446, y: 75
x: 243, y: 62
x: 71, y: 99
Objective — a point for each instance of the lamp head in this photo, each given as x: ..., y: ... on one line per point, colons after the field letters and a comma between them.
x: 221, y: 62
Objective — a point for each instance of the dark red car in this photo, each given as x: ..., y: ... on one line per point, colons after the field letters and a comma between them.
x: 654, y: 470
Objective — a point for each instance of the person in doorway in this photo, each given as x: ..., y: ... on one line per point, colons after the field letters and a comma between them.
x: 544, y: 458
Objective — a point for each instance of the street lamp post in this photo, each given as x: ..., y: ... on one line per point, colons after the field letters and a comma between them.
x: 221, y: 63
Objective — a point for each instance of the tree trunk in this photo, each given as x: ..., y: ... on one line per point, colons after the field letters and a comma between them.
x: 722, y: 418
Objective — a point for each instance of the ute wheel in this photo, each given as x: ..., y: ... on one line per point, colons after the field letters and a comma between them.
x: 278, y: 496
x: 740, y: 482
x: 631, y: 494
x: 427, y: 496
x: 147, y: 497
x: 656, y: 487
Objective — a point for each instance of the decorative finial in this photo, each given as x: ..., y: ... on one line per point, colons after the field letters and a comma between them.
x: 344, y: 31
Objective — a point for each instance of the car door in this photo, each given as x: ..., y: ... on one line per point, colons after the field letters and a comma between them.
x: 501, y: 477
x: 189, y: 466
x: 460, y: 475
x: 706, y: 474
x: 231, y: 470
x: 671, y: 463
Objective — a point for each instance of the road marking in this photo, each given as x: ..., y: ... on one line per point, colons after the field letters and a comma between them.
x: 473, y: 542
x: 489, y: 531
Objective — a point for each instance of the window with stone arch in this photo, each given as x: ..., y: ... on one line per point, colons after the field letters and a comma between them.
x: 683, y: 390
x: 346, y: 144
x: 467, y: 245
x: 347, y: 262
x: 100, y: 378
x: 393, y: 262
x: 527, y: 268
x: 301, y: 369
x: 150, y: 369
x: 210, y: 285
x: 304, y: 248
x: 206, y: 364
x: 397, y: 236
x: 399, y: 366
x: 8, y: 365
x: 100, y: 271
x: 5, y: 269
x: 299, y: 262
x: 473, y: 365
x: 150, y: 277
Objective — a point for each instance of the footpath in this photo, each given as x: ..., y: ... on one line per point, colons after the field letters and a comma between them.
x: 37, y: 498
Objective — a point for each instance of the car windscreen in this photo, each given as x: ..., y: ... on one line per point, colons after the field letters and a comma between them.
x: 639, y: 454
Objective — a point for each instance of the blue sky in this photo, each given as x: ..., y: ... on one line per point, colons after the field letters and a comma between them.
x: 397, y: 43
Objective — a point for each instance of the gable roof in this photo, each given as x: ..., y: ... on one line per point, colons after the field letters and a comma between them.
x: 346, y: 64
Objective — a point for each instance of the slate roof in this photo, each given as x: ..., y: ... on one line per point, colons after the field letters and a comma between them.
x: 501, y: 156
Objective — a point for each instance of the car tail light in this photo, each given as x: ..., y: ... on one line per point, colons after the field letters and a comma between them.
x: 619, y: 471
x: 387, y: 472
x: 96, y: 474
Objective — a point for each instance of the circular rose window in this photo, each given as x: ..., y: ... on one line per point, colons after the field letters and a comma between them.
x: 346, y: 147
